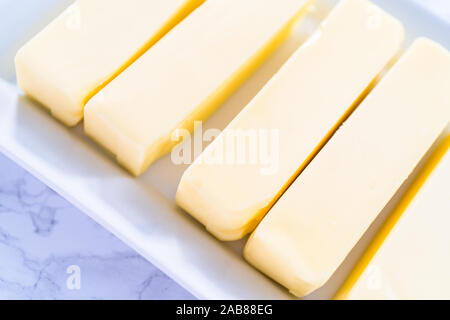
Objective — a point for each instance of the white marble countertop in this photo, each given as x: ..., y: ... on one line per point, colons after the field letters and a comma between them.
x: 45, y: 243
x: 50, y: 250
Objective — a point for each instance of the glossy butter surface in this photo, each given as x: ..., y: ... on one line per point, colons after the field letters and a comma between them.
x: 88, y: 45
x: 300, y: 107
x: 321, y: 217
x: 186, y: 76
x: 409, y: 258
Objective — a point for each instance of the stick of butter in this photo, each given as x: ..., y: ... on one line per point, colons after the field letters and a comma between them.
x: 186, y: 76
x: 321, y: 217
x: 409, y: 259
x: 88, y: 45
x: 304, y: 103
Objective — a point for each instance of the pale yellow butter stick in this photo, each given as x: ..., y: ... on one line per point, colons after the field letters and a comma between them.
x: 321, y: 217
x: 301, y: 106
x: 89, y: 44
x: 186, y: 76
x: 413, y: 260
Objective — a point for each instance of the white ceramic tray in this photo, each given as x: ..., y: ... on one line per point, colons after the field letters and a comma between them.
x: 141, y: 211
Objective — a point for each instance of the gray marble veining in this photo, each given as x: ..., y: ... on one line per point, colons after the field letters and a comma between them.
x: 44, y: 240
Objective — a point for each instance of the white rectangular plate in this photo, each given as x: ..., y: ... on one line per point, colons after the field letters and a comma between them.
x: 141, y: 211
